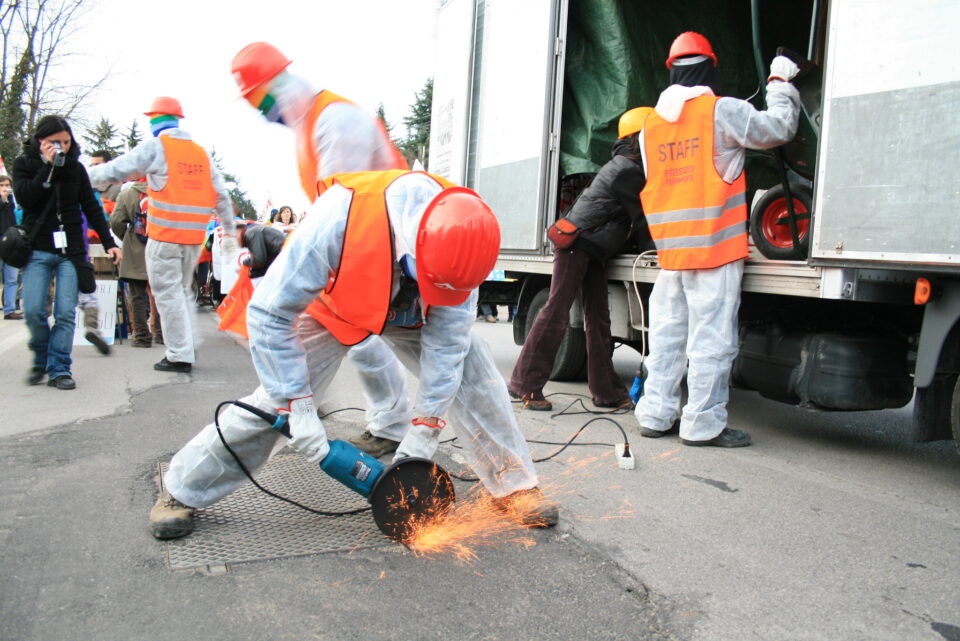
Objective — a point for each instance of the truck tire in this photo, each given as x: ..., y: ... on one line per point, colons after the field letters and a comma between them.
x: 934, y: 408
x: 571, y: 360
x: 770, y: 227
x: 955, y: 414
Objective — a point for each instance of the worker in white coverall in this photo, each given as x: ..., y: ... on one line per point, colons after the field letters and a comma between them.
x: 185, y: 189
x: 397, y: 240
x: 695, y: 203
x: 333, y: 136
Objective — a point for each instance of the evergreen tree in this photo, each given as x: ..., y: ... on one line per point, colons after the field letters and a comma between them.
x: 416, y: 145
x: 101, y: 137
x: 241, y: 203
x: 12, y: 116
x: 132, y: 137
x: 382, y: 115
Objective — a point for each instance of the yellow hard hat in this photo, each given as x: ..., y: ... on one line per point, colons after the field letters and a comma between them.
x: 632, y: 121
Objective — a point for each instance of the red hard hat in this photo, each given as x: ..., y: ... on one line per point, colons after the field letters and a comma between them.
x: 457, y: 245
x: 165, y: 105
x: 690, y: 43
x: 257, y: 63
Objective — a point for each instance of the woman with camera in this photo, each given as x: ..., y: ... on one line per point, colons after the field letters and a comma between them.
x: 54, y: 190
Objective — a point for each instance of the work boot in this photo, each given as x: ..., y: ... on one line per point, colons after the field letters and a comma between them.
x: 142, y: 342
x: 529, y: 508
x: 375, y: 446
x: 726, y: 438
x: 169, y: 518
x: 622, y: 404
x: 171, y: 366
x: 97, y: 341
x: 536, y: 402
x: 649, y: 432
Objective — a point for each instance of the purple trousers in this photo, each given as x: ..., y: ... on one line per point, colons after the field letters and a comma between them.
x: 574, y: 272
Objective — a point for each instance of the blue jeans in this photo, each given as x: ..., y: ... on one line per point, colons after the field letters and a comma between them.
x: 10, y: 274
x: 51, y: 347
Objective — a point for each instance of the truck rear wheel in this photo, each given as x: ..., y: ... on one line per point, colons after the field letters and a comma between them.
x: 955, y: 414
x: 770, y: 225
x: 570, y: 362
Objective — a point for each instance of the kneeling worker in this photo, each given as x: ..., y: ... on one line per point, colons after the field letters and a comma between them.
x: 394, y: 253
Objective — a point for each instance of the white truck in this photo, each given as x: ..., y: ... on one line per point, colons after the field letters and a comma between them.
x: 526, y: 98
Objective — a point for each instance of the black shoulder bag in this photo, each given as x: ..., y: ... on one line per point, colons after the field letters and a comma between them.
x: 17, y: 243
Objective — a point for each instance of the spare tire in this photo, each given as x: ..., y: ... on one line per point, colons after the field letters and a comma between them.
x: 571, y: 359
x: 770, y: 224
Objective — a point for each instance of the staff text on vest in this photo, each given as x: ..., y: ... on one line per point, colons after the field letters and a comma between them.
x: 190, y: 168
x: 680, y: 149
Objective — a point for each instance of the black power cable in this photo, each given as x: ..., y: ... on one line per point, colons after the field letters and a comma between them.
x: 263, y: 415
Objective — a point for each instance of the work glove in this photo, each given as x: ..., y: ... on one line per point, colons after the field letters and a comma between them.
x: 783, y: 68
x: 306, y: 431
x: 421, y: 440
x: 229, y: 246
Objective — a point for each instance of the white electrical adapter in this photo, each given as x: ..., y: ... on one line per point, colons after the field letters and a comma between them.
x: 625, y: 458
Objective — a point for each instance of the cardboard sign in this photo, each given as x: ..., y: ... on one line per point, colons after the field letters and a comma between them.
x: 106, y: 319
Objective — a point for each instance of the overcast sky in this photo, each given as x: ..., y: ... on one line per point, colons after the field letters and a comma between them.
x: 369, y: 51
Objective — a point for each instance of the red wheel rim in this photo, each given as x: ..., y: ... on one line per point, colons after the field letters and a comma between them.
x: 779, y: 235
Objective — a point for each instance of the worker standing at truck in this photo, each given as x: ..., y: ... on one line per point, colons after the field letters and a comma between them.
x: 333, y: 135
x: 695, y: 203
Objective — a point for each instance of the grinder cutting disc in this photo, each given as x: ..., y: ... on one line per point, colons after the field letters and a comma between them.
x: 409, y: 491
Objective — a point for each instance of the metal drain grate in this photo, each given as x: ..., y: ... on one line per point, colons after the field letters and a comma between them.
x: 249, y: 525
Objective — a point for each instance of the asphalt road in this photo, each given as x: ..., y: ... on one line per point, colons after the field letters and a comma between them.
x: 832, y: 526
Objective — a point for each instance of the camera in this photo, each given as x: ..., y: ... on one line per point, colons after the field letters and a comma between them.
x: 59, y: 158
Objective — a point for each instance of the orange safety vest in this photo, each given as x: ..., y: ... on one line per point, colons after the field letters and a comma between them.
x: 356, y: 301
x: 697, y: 220
x: 179, y: 212
x: 308, y: 161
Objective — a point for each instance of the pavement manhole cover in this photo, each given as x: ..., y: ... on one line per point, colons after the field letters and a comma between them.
x: 249, y: 525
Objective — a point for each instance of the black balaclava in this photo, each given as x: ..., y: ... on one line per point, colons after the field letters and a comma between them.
x: 693, y: 71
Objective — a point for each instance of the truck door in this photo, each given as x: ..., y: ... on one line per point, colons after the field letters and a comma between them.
x: 493, y: 106
x: 886, y: 187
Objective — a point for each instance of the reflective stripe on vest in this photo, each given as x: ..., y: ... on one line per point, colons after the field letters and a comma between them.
x: 697, y: 220
x: 308, y: 162
x: 179, y: 213
x: 357, y: 299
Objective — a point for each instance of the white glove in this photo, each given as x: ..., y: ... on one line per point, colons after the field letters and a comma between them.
x: 229, y: 246
x: 420, y: 441
x: 783, y: 68
x: 306, y: 430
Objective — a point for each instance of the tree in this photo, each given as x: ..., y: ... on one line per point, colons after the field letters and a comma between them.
x: 101, y: 137
x: 132, y: 137
x: 12, y: 117
x: 36, y: 34
x: 382, y: 116
x: 237, y: 194
x: 416, y: 145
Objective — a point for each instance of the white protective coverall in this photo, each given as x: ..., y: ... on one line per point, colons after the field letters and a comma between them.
x: 295, y: 356
x: 169, y: 265
x: 347, y: 139
x: 693, y: 313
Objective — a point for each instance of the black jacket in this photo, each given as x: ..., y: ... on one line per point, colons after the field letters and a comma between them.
x: 76, y: 194
x: 7, y: 216
x: 609, y: 210
x: 264, y: 244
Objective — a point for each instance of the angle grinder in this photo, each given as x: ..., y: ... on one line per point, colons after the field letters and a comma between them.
x: 408, y: 491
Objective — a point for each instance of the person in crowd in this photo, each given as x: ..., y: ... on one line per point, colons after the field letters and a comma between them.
x: 606, y: 215
x: 128, y: 222
x: 286, y: 220
x: 108, y: 195
x: 264, y: 243
x: 386, y: 236
x: 53, y: 187
x: 185, y: 188
x: 699, y: 226
x: 11, y: 275
x: 333, y: 135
